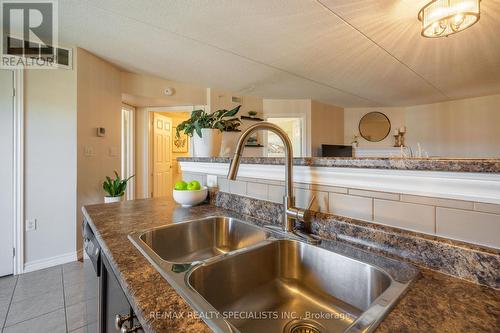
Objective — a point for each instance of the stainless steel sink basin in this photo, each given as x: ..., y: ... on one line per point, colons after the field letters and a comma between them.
x: 240, y: 278
x: 323, y: 291
x: 201, y: 239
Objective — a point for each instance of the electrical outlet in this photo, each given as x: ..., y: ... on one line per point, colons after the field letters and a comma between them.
x: 30, y: 224
x: 211, y: 181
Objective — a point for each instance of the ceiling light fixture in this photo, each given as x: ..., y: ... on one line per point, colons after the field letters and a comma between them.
x: 442, y: 18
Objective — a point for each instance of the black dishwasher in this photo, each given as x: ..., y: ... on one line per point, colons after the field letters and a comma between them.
x: 108, y: 309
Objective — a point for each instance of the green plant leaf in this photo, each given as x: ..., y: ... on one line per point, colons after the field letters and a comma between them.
x: 232, y: 112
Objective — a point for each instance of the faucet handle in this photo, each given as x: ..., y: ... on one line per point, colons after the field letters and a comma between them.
x: 307, y: 212
x: 313, y: 197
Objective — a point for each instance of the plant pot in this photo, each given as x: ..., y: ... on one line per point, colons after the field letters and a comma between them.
x: 209, y: 144
x: 112, y: 199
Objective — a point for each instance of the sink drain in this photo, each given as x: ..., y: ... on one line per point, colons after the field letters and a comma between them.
x: 303, y: 326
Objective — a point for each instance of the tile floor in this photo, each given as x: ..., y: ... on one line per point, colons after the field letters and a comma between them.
x: 49, y: 300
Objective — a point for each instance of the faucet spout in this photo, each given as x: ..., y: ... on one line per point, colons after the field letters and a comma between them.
x: 291, y: 213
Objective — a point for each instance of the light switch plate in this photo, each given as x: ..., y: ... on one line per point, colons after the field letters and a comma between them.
x: 89, y: 151
x: 211, y: 181
x: 30, y: 224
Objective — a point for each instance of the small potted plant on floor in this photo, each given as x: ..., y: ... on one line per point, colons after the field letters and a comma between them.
x: 206, y: 130
x: 115, y: 188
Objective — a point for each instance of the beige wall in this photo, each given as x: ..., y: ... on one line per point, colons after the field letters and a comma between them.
x: 352, y: 116
x: 462, y: 128
x: 324, y: 123
x: 99, y: 105
x: 219, y: 99
x: 327, y: 123
x: 300, y: 108
x: 50, y: 164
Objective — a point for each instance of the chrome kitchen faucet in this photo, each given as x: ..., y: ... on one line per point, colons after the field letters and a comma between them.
x: 291, y: 213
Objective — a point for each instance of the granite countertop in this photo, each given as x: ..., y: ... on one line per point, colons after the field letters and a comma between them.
x: 491, y: 165
x: 434, y: 303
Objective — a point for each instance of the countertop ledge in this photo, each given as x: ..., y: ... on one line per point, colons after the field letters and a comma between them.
x: 482, y: 165
x: 434, y: 303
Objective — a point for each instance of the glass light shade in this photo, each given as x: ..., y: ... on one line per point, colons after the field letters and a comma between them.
x: 445, y: 17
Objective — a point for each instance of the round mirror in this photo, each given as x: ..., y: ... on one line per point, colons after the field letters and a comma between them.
x: 374, y: 126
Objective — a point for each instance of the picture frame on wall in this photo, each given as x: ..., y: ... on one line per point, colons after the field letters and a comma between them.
x: 179, y: 143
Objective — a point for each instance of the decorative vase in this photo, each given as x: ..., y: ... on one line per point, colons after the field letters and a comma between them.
x: 209, y: 144
x: 112, y: 199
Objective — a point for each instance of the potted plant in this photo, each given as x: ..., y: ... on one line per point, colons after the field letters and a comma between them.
x: 115, y: 188
x: 206, y: 130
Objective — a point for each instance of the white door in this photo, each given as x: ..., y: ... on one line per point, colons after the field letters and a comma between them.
x: 162, y: 156
x: 6, y: 171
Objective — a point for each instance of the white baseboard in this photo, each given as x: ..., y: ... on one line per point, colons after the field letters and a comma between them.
x: 36, y: 265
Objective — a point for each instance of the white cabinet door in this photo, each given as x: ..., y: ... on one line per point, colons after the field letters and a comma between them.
x: 6, y: 171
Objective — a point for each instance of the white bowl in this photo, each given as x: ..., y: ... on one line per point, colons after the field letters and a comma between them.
x: 190, y: 198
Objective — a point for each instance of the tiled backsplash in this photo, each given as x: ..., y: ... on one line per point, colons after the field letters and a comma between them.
x: 468, y: 221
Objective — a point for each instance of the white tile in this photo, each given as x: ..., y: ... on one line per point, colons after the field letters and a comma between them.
x: 487, y: 208
x: 275, y: 193
x: 351, y: 206
x: 303, y: 199
x: 34, y: 307
x: 74, y: 293
x: 469, y: 226
x: 76, y: 316
x: 262, y: 181
x: 437, y: 202
x: 238, y: 187
x: 35, y: 287
x: 374, y: 194
x: 52, y: 322
x: 405, y: 215
x: 257, y: 191
x: 3, y: 313
x: 302, y: 186
x: 223, y: 184
x: 333, y: 189
x: 7, y: 285
x: 190, y: 176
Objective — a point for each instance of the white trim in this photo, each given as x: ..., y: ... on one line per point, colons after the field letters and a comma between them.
x: 478, y: 187
x: 180, y: 108
x: 129, y: 164
x: 36, y: 265
x: 18, y: 187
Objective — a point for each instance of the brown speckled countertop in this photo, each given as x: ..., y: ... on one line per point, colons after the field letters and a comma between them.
x: 483, y: 165
x: 434, y: 303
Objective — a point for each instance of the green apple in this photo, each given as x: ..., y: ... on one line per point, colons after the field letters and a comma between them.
x: 181, y: 185
x: 193, y: 186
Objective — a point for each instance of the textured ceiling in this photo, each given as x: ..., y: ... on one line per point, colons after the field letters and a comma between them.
x: 346, y: 53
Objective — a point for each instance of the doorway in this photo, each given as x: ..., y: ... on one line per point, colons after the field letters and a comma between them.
x: 164, y: 155
x: 294, y: 127
x: 6, y: 172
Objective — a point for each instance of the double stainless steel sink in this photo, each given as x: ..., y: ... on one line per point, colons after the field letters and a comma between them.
x: 242, y: 278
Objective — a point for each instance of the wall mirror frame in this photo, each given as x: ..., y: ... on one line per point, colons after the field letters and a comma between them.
x: 374, y: 126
